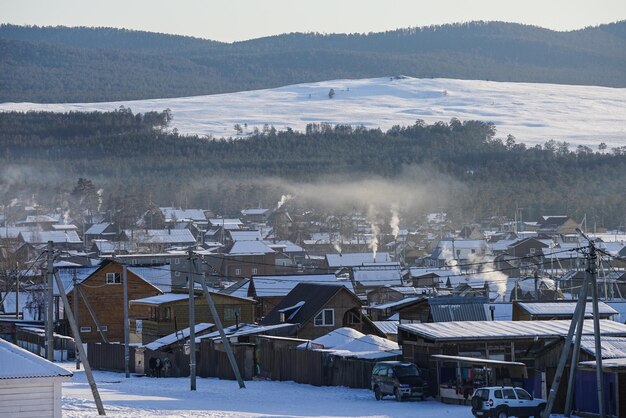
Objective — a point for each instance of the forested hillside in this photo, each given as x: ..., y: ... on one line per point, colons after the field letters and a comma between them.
x: 59, y: 64
x: 44, y: 153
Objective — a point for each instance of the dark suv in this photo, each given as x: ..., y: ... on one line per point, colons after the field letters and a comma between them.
x: 402, y: 380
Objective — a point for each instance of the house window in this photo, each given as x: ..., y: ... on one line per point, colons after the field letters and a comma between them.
x: 353, y: 318
x: 113, y: 278
x: 177, y: 273
x: 167, y: 314
x: 232, y: 313
x: 102, y: 328
x: 326, y: 318
x: 254, y: 270
x: 237, y: 272
x: 532, y: 251
x: 177, y: 261
x: 134, y: 262
x: 85, y: 329
x: 154, y: 261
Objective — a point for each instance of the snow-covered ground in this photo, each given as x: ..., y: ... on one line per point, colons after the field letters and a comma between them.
x: 150, y: 397
x: 171, y: 397
x: 532, y: 112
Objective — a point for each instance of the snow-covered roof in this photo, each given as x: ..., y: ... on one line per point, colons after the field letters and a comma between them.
x: 281, y: 285
x: 493, y: 330
x: 250, y: 248
x: 387, y: 327
x: 288, y: 246
x: 97, y: 229
x: 397, y: 303
x: 183, y: 214
x: 378, y: 276
x: 161, y: 299
x: 356, y: 259
x: 368, y: 343
x: 158, y: 276
x: 254, y: 211
x: 334, y: 338
x: 18, y: 363
x: 12, y: 231
x: 620, y: 307
x: 161, y: 236
x: 612, y: 347
x: 241, y: 235
x: 179, y: 335
x: 563, y: 308
x: 64, y: 227
x: 228, y: 223
x: 245, y: 329
x: 57, y: 237
x: 67, y: 277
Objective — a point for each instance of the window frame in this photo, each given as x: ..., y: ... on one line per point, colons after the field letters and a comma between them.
x: 117, y: 278
x: 85, y: 329
x: 322, y: 315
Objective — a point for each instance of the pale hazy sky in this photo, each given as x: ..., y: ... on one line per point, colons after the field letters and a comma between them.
x: 233, y: 20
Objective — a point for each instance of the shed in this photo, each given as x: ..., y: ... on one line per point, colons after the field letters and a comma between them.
x: 534, y: 311
x: 30, y: 386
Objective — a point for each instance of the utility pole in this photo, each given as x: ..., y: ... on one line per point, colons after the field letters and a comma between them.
x: 192, y: 325
x: 218, y: 323
x: 49, y: 307
x: 83, y: 355
x: 592, y: 271
x: 126, y: 331
x: 75, y: 303
x: 17, y: 295
x: 579, y: 315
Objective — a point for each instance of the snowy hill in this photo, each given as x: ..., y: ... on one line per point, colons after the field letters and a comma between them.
x: 533, y: 113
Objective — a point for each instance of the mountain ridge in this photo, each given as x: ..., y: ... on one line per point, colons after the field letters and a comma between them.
x: 63, y: 64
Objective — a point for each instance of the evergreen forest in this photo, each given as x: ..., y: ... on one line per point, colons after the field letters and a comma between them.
x: 138, y: 162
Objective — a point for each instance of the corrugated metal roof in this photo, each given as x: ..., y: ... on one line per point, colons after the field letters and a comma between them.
x: 612, y: 347
x: 160, y: 299
x: 158, y: 276
x: 493, y: 330
x: 460, y: 312
x: 17, y: 363
x: 281, y: 285
x: 563, y: 308
x: 387, y: 327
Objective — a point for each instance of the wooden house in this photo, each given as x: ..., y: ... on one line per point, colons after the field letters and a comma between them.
x: 157, y: 316
x: 243, y: 259
x: 30, y: 386
x: 268, y: 291
x: 319, y: 309
x: 104, y: 293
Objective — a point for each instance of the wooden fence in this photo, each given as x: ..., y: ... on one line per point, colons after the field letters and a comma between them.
x: 103, y: 356
x: 279, y: 361
x: 213, y: 361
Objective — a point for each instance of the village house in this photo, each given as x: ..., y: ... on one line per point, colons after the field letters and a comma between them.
x: 319, y: 309
x: 104, y: 298
x: 30, y: 386
x: 157, y: 316
x: 268, y: 291
x: 244, y: 259
x: 548, y: 311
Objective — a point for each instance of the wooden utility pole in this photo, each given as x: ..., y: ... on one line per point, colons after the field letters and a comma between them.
x: 218, y: 322
x: 592, y: 271
x: 192, y: 324
x: 75, y: 303
x: 81, y: 350
x: 126, y: 325
x: 49, y: 305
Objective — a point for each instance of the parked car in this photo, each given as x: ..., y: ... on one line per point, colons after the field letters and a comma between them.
x: 400, y: 379
x: 505, y: 401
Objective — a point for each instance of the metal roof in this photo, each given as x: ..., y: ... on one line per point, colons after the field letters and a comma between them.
x: 356, y: 259
x: 563, y: 308
x: 387, y: 327
x: 612, y: 347
x: 460, y: 312
x: 495, y: 330
x: 17, y: 363
x: 473, y: 360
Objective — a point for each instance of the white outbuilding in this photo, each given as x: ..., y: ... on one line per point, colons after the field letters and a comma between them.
x: 30, y: 386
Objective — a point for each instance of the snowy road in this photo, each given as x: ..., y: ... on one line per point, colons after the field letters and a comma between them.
x: 148, y: 397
